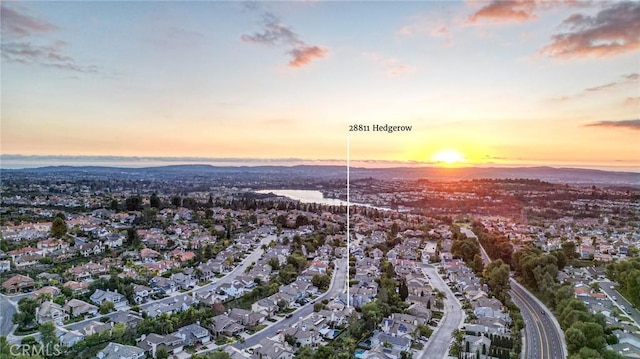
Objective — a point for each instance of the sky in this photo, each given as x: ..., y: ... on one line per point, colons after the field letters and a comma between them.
x: 488, y: 83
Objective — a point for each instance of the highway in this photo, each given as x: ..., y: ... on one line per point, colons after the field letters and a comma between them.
x: 544, y: 339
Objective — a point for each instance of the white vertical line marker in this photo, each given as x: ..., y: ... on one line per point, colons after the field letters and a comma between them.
x: 348, y: 229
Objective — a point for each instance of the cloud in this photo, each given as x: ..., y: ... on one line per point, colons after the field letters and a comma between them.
x: 428, y: 25
x: 303, y: 55
x: 505, y: 11
x: 602, y: 87
x: 276, y: 34
x: 626, y: 80
x: 614, y: 30
x: 391, y: 66
x: 22, y: 42
x: 44, y: 55
x: 632, y: 100
x: 18, y: 24
x: 628, y: 124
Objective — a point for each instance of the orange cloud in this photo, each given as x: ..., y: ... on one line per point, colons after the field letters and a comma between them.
x: 612, y: 31
x: 304, y: 54
x: 277, y: 34
x: 505, y: 11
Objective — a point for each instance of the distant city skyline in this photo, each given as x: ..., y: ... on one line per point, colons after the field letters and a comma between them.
x: 256, y: 83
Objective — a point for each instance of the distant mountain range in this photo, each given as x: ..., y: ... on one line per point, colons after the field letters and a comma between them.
x: 318, y: 172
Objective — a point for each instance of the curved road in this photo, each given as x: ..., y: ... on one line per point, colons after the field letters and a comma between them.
x: 543, y: 341
x: 544, y: 338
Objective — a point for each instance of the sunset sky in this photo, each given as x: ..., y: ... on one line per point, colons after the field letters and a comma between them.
x: 508, y: 83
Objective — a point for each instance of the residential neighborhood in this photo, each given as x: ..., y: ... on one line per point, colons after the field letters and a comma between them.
x: 140, y: 274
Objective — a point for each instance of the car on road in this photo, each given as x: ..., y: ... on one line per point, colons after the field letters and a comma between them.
x: 542, y: 312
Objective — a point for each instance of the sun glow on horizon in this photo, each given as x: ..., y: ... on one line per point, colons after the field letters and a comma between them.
x: 448, y: 157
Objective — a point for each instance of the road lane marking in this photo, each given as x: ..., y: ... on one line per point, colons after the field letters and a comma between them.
x: 536, y: 322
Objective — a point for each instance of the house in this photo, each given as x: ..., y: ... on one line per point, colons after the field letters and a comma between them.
x: 236, y: 353
x: 90, y: 249
x: 68, y: 338
x: 51, y: 312
x: 305, y: 334
x: 152, y: 342
x: 94, y: 327
x: 271, y: 349
x: 5, y: 266
x: 183, y: 281
x: 18, y: 283
x: 266, y: 305
x: 480, y: 344
x: 119, y: 351
x: 141, y: 293
x: 100, y: 296
x: 130, y: 318
x: 76, y: 307
x: 194, y: 334
x: 49, y: 290
x: 113, y: 240
x: 77, y: 287
x: 163, y: 285
x: 223, y: 325
x: 149, y: 255
x: 397, y: 343
x: 246, y: 317
x: 234, y: 289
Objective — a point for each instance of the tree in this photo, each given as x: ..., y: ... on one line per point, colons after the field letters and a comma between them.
x: 133, y: 203
x: 114, y: 205
x: 107, y: 307
x: 372, y: 315
x: 497, y: 275
x: 274, y: 263
x: 48, y: 335
x: 132, y: 237
x: 322, y: 281
x: 58, y: 227
x: 154, y: 201
x: 162, y: 353
x: 403, y: 290
x: 290, y: 339
x: 305, y: 352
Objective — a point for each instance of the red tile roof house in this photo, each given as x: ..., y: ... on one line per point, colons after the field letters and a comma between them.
x: 18, y: 283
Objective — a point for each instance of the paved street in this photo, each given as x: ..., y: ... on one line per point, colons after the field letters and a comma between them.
x: 7, y: 309
x: 543, y: 338
x: 438, y: 345
x: 338, y: 286
x: 630, y: 311
x: 230, y: 277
